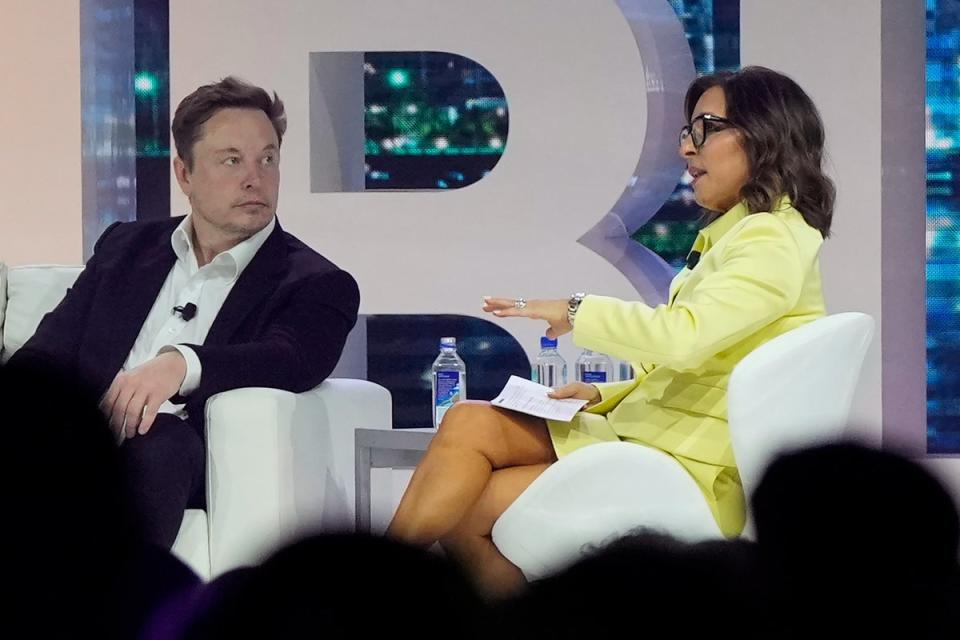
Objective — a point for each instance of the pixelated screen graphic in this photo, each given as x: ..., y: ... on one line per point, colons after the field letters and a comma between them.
x: 943, y: 226
x: 440, y: 121
x: 433, y: 120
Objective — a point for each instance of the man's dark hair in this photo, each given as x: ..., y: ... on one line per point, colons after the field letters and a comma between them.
x: 231, y: 92
x: 782, y: 135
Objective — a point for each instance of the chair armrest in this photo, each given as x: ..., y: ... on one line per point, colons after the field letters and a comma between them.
x: 595, y: 495
x: 280, y: 464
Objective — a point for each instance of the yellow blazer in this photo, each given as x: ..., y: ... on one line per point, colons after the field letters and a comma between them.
x: 758, y: 277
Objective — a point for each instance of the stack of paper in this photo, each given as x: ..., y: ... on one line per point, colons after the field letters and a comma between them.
x: 531, y: 398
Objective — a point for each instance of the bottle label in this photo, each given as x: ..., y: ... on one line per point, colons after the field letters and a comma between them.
x: 549, y: 375
x: 591, y: 377
x: 448, y: 392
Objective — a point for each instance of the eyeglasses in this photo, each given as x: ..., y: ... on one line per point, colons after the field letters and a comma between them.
x: 702, y: 126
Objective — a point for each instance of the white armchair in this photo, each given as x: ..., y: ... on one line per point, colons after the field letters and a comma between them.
x: 791, y: 392
x: 278, y: 463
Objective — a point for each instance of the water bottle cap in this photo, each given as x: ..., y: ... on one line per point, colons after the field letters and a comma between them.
x: 449, y: 343
x: 546, y: 343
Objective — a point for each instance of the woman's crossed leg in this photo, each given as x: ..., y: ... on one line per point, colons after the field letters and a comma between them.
x: 480, y: 461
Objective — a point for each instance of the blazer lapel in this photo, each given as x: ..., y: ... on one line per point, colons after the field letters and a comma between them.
x: 706, y: 239
x: 255, y: 283
x: 134, y: 293
x: 699, y: 245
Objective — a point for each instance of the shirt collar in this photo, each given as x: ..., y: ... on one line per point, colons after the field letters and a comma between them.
x: 233, y: 260
x: 712, y: 233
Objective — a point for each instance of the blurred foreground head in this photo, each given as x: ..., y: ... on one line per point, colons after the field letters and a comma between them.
x: 857, y: 509
x: 644, y: 584
x: 69, y: 533
x: 865, y: 537
x: 341, y: 586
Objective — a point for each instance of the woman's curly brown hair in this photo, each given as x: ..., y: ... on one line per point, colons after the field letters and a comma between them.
x: 782, y: 135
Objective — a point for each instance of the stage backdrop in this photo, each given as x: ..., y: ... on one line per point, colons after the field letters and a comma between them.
x: 580, y: 102
x: 862, y: 63
x: 515, y: 232
x: 861, y: 60
x: 40, y: 123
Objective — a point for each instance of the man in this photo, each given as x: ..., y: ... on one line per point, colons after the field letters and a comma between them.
x: 168, y: 313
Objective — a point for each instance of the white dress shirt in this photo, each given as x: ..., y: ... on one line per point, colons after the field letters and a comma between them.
x: 207, y: 287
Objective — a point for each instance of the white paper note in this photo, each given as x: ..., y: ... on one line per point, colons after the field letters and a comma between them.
x: 529, y: 397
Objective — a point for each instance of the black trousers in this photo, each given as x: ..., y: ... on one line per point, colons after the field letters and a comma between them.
x: 164, y: 475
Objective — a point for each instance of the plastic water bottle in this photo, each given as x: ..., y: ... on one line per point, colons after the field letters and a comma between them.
x: 626, y: 371
x: 449, y: 379
x: 550, y: 369
x: 594, y: 367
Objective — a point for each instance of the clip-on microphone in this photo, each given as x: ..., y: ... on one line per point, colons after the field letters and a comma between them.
x: 187, y: 311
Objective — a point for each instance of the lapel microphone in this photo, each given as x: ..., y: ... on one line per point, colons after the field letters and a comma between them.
x: 187, y: 311
x: 692, y: 259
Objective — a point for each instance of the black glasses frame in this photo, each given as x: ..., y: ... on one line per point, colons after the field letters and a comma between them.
x: 711, y: 123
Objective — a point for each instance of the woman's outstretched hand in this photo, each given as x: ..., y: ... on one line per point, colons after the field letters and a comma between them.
x: 578, y: 390
x: 554, y: 312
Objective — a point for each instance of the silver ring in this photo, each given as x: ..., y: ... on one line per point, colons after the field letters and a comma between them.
x: 520, y: 303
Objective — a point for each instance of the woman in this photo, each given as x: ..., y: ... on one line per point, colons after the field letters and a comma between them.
x: 753, y: 146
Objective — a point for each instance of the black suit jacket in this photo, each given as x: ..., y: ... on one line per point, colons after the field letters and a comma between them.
x: 283, y: 325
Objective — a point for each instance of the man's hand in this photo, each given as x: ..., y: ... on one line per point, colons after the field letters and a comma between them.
x: 553, y: 311
x: 578, y: 390
x: 134, y: 396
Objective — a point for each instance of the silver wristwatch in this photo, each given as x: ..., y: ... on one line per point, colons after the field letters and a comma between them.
x: 572, y: 305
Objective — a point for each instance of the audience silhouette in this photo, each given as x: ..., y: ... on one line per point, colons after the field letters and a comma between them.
x: 338, y: 586
x: 849, y: 540
x: 646, y: 584
x: 857, y: 540
x: 79, y: 566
